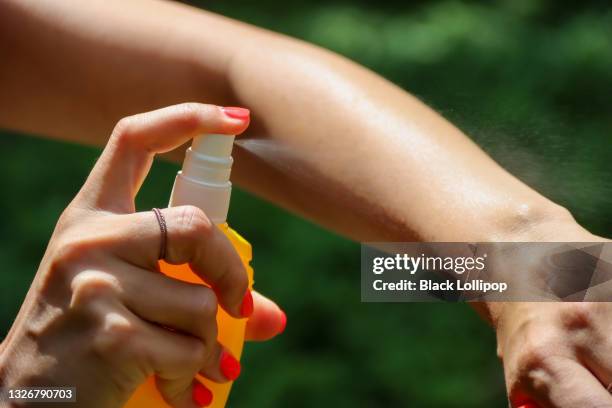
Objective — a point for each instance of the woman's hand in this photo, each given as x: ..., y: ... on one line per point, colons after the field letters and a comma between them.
x: 558, y: 354
x: 99, y: 315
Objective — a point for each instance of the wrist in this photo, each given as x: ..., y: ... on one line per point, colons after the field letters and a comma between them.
x: 547, y: 222
x: 539, y: 222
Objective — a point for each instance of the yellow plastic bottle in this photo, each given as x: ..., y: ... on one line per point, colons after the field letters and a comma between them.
x: 204, y: 182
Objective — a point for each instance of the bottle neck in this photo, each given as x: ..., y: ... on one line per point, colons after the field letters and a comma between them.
x: 204, y: 180
x: 201, y: 168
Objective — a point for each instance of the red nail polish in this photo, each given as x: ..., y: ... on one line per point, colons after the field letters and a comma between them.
x: 283, y: 322
x: 236, y: 113
x: 246, y: 308
x: 230, y: 367
x: 202, y: 396
x: 529, y: 405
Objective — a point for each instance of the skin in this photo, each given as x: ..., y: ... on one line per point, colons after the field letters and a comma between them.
x: 351, y: 151
x: 94, y: 318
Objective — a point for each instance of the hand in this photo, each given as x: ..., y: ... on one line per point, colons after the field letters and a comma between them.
x: 556, y: 355
x: 99, y: 316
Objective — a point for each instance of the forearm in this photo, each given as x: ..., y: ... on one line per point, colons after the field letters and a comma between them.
x: 384, y: 165
x: 346, y: 148
x: 77, y: 67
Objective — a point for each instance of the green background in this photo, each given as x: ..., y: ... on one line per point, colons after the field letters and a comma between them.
x: 529, y: 80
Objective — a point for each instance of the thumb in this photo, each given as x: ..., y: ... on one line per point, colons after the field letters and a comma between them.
x: 267, y: 320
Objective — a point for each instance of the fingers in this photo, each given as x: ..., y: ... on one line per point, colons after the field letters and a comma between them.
x: 185, y: 393
x: 576, y: 387
x: 176, y: 359
x: 556, y: 355
x: 126, y: 159
x: 184, y: 307
x: 134, y: 348
x: 267, y: 320
x: 562, y: 383
x: 173, y: 328
x: 192, y: 239
x: 181, y: 392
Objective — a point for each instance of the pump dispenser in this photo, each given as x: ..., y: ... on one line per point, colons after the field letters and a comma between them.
x: 204, y: 182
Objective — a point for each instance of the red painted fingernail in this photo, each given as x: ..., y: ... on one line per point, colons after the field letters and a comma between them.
x: 283, y: 322
x: 230, y: 367
x: 236, y: 113
x: 202, y: 396
x: 530, y: 405
x: 246, y: 308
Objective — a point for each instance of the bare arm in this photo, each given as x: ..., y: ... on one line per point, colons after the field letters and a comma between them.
x: 347, y: 148
x: 336, y: 143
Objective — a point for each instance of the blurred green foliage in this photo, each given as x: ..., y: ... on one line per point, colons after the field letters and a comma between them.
x: 529, y: 80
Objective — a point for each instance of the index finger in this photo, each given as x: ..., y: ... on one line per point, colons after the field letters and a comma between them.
x: 119, y: 172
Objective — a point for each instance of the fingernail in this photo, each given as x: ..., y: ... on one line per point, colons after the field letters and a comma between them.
x: 283, y: 322
x: 236, y: 113
x: 202, y: 396
x: 246, y: 308
x: 230, y: 367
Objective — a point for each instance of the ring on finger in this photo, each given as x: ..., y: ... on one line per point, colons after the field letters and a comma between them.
x: 164, y: 232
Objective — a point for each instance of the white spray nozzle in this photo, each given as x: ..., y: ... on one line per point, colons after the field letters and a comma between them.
x: 204, y: 180
x: 213, y: 145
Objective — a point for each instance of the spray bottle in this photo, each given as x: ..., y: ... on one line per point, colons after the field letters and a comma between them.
x: 204, y: 183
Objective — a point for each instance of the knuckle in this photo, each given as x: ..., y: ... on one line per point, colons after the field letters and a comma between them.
x: 88, y: 287
x: 123, y: 126
x: 66, y: 219
x: 242, y: 279
x: 535, y: 371
x: 66, y: 254
x: 68, y: 250
x: 535, y: 361
x: 190, y: 115
x: 194, y: 224
x: 578, y: 316
x: 199, y: 351
x: 234, y: 280
x: 196, y: 353
x: 115, y: 337
x: 205, y: 304
x: 205, y: 355
x: 203, y: 314
x: 122, y: 134
x: 534, y: 357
